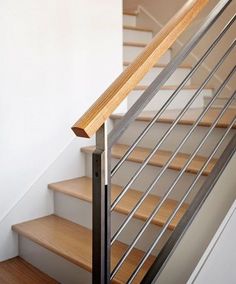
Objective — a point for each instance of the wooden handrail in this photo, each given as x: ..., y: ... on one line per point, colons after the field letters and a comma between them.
x: 105, y: 105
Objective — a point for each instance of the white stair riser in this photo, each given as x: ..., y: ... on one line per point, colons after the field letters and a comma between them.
x: 219, y: 103
x: 52, y: 264
x: 80, y: 212
x: 129, y: 20
x: 175, y: 79
x: 136, y: 36
x: 177, y: 135
x: 146, y: 177
x: 131, y: 52
x: 163, y: 95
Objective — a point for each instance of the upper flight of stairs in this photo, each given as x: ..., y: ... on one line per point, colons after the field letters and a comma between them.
x: 67, y: 233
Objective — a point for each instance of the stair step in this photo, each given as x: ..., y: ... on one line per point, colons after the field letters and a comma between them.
x: 189, y: 118
x: 16, y: 271
x: 130, y: 13
x: 137, y: 29
x: 185, y: 66
x: 172, y: 87
x: 74, y: 243
x: 139, y: 35
x: 159, y: 159
x: 132, y: 50
x: 135, y: 44
x: 81, y: 188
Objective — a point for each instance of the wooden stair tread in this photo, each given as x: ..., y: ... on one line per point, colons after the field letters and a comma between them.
x: 172, y: 87
x: 159, y: 159
x: 82, y: 188
x: 74, y: 243
x: 135, y: 44
x: 189, y: 118
x: 158, y: 65
x: 125, y: 27
x: 18, y: 271
x: 130, y: 13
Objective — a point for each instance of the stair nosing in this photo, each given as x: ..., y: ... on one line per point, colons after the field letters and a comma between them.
x: 158, y: 221
x: 183, y: 121
x: 191, y: 169
x: 55, y: 223
x: 127, y: 27
x: 183, y: 66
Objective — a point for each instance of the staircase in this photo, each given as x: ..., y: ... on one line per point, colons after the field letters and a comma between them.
x: 61, y: 244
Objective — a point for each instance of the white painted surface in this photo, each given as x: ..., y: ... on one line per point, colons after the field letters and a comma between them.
x: 56, y: 58
x: 217, y: 265
x: 177, y: 135
x: 137, y: 36
x: 163, y: 95
x: 147, y: 176
x: 178, y: 76
x: 80, y: 212
x: 53, y: 265
x: 129, y: 20
x: 131, y: 52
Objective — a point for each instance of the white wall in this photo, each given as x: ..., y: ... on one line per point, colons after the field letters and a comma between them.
x: 56, y: 58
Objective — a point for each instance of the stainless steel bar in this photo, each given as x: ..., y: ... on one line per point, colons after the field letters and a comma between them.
x: 173, y: 96
x: 166, y: 73
x: 101, y: 210
x: 183, y: 111
x: 155, y: 211
x: 129, y: 217
x: 147, y: 254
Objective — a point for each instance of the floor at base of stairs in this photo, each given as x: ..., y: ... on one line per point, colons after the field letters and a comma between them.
x: 18, y: 271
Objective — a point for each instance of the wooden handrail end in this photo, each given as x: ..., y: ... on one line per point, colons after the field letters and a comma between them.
x: 80, y: 132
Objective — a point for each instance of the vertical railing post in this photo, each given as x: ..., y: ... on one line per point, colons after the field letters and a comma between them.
x: 101, y: 209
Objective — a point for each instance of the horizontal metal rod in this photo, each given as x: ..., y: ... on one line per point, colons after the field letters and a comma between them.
x: 145, y: 194
x: 183, y: 111
x: 147, y: 254
x: 148, y: 221
x: 173, y: 96
x: 152, y: 90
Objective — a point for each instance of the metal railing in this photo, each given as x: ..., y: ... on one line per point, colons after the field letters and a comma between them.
x: 103, y: 173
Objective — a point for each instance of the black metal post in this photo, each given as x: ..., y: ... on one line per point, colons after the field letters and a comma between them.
x: 101, y: 211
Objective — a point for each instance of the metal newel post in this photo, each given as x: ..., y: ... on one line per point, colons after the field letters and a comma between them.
x: 101, y: 209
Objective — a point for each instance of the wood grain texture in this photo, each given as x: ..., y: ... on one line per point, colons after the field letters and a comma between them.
x: 189, y: 118
x: 18, y: 271
x: 130, y: 13
x: 137, y: 29
x: 134, y: 44
x: 74, y: 243
x: 82, y: 188
x: 159, y: 159
x: 99, y: 112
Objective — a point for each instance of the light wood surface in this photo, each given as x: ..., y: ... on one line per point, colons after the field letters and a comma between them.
x: 74, y: 243
x: 189, y: 118
x: 130, y: 13
x: 18, y: 271
x: 99, y: 112
x: 159, y: 159
x: 134, y: 44
x: 82, y: 188
x: 159, y: 65
x: 137, y: 29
